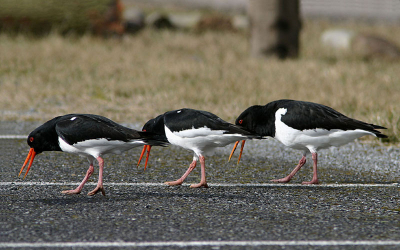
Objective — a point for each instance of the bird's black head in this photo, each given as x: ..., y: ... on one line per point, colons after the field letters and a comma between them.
x: 155, y: 125
x: 247, y: 119
x: 37, y: 142
x: 44, y: 137
x: 154, y: 129
x: 256, y: 119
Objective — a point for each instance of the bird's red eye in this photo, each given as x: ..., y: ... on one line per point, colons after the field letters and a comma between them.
x: 240, y: 121
x: 31, y: 139
x: 144, y: 130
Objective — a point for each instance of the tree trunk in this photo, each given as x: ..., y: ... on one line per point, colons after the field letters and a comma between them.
x: 275, y: 27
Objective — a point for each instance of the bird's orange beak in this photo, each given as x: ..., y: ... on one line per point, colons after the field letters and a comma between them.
x: 31, y: 156
x: 148, y: 147
x: 234, y: 148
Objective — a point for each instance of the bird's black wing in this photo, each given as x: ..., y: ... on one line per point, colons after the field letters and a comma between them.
x: 184, y: 119
x: 80, y: 127
x: 308, y: 115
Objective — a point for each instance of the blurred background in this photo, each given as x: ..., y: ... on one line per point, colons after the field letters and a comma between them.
x: 131, y: 60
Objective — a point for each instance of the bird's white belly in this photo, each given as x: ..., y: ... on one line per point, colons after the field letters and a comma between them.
x: 97, y: 147
x: 201, y: 141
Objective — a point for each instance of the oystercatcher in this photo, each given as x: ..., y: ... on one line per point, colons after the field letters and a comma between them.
x: 87, y: 135
x: 196, y: 130
x: 304, y: 126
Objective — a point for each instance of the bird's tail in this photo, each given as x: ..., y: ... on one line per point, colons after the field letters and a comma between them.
x: 372, y: 128
x: 376, y: 132
x: 379, y: 134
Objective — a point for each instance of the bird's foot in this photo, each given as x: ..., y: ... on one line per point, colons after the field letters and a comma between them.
x: 198, y: 185
x: 174, y: 183
x: 74, y: 191
x: 283, y: 180
x: 96, y: 190
x: 313, y: 181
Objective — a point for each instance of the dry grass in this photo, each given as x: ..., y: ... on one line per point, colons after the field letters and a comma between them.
x: 138, y: 77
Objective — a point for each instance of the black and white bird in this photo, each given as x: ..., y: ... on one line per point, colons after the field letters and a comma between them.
x: 196, y: 130
x: 87, y: 135
x: 304, y: 126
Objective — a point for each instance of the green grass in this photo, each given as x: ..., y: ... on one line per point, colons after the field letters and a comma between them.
x: 138, y: 77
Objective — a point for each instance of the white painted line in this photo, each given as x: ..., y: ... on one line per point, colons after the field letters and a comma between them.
x: 202, y: 243
x: 147, y: 184
x: 13, y: 136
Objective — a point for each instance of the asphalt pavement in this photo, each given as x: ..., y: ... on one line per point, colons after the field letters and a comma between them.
x: 356, y: 206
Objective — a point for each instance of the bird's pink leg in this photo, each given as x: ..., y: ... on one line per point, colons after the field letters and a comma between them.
x: 99, y: 186
x: 315, y: 175
x: 297, y: 168
x: 180, y: 180
x: 203, y: 182
x: 85, y: 179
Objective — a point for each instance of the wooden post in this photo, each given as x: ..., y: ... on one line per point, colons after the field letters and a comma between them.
x: 275, y: 27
